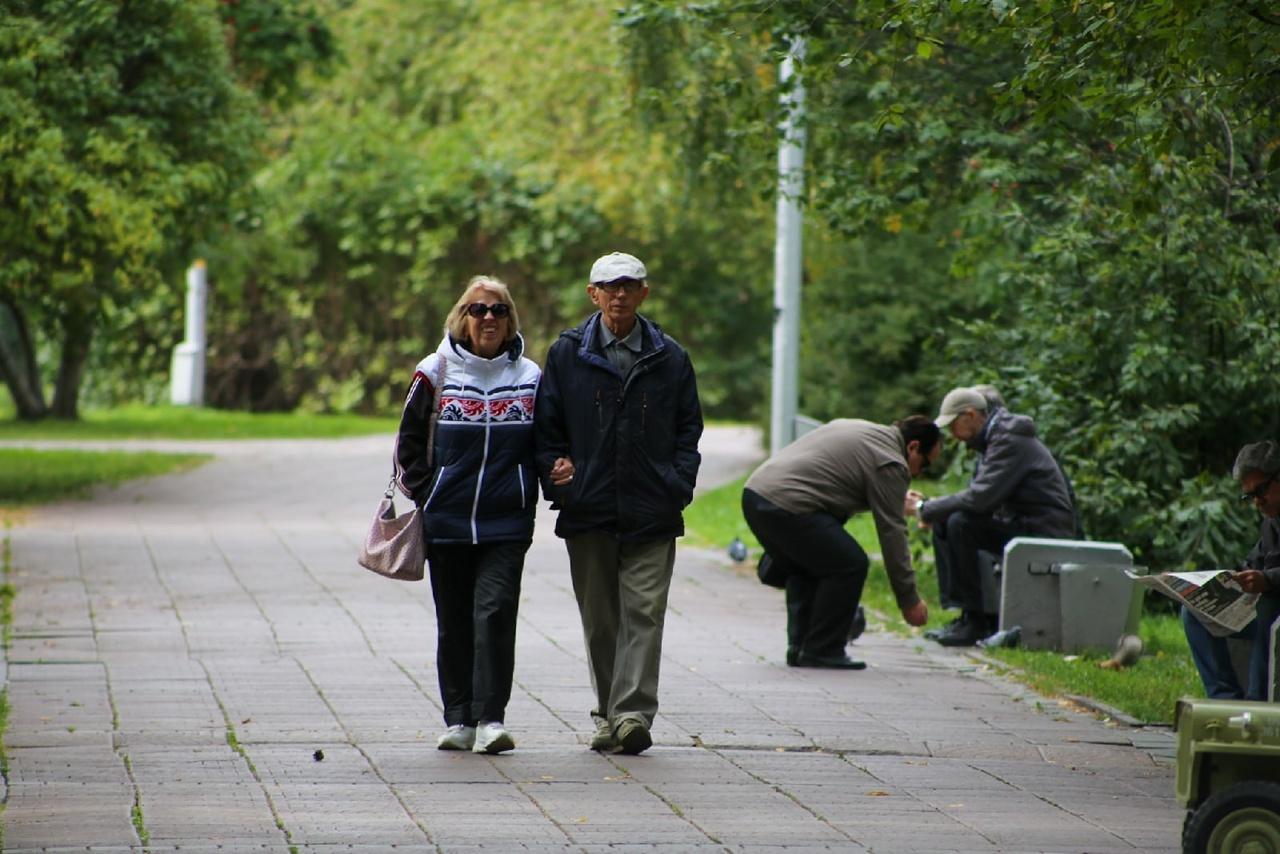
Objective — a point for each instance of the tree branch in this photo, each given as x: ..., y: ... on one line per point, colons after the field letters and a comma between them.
x: 1231, y: 160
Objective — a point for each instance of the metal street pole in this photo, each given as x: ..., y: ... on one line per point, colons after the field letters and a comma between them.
x: 787, y: 254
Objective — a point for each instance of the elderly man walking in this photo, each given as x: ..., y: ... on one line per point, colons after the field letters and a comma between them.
x: 1018, y: 490
x: 1257, y: 468
x: 617, y: 425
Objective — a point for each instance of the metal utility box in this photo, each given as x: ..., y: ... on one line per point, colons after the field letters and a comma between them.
x: 1068, y: 595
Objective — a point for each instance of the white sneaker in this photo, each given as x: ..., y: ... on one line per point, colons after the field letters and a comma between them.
x: 457, y: 737
x: 492, y: 737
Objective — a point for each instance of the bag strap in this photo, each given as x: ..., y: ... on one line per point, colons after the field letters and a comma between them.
x: 436, y: 404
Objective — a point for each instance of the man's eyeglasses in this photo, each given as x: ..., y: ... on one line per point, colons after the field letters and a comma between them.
x: 1258, y: 491
x: 630, y: 286
x: 499, y: 310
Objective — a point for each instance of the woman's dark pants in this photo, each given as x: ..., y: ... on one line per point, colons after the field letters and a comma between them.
x: 477, y: 591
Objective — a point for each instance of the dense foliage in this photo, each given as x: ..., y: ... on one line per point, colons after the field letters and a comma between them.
x: 1099, y: 181
x: 124, y: 134
x: 436, y: 154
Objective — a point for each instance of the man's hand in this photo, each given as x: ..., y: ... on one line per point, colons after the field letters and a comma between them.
x: 917, y: 614
x: 562, y: 471
x: 1252, y: 581
x: 909, y: 504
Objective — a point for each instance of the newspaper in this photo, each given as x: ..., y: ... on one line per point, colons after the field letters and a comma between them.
x: 1212, y: 595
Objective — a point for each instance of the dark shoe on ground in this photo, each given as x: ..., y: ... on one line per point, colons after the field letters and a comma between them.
x: 602, y: 738
x: 633, y: 737
x: 833, y: 662
x: 971, y: 629
x: 938, y: 631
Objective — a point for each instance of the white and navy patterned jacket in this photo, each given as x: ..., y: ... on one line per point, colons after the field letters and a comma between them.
x: 483, y: 487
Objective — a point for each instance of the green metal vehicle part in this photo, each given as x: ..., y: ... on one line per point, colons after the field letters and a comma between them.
x: 1228, y: 776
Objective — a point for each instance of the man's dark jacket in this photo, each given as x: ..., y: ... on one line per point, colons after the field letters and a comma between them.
x: 633, y: 441
x: 1018, y: 481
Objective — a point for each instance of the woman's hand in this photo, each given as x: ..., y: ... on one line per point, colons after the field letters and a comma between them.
x: 562, y: 471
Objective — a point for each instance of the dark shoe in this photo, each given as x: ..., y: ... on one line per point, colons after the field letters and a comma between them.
x: 633, y: 737
x: 602, y: 738
x: 859, y: 624
x: 833, y: 662
x: 971, y: 629
x: 938, y: 631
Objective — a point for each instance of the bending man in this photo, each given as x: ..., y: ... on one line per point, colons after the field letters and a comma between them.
x: 797, y: 503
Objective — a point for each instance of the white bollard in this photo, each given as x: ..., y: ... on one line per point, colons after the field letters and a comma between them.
x: 187, y: 370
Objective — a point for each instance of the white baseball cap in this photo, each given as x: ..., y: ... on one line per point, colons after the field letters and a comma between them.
x: 956, y: 402
x: 617, y: 265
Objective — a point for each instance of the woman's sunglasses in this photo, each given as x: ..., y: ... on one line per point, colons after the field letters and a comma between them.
x: 498, y: 310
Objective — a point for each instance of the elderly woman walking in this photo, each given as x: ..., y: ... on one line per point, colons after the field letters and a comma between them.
x: 472, y: 473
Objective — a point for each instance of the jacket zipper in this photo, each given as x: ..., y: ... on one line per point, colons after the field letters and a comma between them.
x: 484, y: 459
x: 435, y: 486
x: 520, y: 477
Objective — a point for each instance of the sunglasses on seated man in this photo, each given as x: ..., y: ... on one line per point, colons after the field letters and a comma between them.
x: 498, y: 310
x: 1259, y: 491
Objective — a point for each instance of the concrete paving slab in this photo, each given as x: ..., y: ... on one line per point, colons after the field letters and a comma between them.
x: 185, y: 645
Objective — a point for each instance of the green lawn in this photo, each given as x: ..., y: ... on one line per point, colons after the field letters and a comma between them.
x: 178, y: 422
x: 32, y: 477
x: 1146, y: 691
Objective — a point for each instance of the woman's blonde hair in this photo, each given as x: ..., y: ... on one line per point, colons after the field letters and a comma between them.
x: 456, y: 322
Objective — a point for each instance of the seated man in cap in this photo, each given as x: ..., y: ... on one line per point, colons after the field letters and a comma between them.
x: 1018, y: 490
x: 1257, y: 468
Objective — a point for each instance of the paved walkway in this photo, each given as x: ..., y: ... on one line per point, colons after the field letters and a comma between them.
x: 186, y: 649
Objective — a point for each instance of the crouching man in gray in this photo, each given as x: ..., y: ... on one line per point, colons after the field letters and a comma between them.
x: 1018, y: 490
x: 797, y: 503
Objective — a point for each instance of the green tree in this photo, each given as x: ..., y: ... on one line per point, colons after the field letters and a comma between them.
x: 461, y: 138
x: 1100, y: 182
x: 124, y: 133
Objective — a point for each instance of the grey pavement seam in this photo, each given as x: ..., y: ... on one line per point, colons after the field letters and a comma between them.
x: 231, y: 738
x: 233, y: 742
x: 351, y: 740
x: 136, y: 814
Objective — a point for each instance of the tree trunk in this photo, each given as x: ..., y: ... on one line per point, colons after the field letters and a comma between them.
x: 77, y: 333
x: 18, y: 363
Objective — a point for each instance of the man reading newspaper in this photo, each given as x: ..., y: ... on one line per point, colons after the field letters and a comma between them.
x: 1257, y: 468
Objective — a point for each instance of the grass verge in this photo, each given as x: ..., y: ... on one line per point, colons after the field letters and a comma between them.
x: 181, y: 422
x: 1146, y: 691
x: 31, y: 476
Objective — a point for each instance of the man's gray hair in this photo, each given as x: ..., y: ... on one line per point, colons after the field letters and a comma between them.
x: 1262, y: 457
